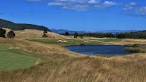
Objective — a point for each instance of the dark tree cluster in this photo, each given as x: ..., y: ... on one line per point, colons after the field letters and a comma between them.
x: 45, y: 33
x: 30, y: 26
x: 66, y: 34
x: 10, y: 34
x: 2, y: 32
x: 132, y: 35
x: 99, y: 35
x: 75, y: 35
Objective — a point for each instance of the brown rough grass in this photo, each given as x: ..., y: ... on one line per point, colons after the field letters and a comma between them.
x: 60, y: 65
x: 129, y: 42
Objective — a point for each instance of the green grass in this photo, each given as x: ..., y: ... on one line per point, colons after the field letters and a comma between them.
x: 76, y: 41
x: 68, y: 43
x: 13, y: 59
x: 109, y: 40
x: 49, y: 41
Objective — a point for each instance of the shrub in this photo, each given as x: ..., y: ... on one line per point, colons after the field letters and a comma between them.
x: 76, y: 35
x: 2, y: 32
x: 11, y: 34
x: 45, y: 33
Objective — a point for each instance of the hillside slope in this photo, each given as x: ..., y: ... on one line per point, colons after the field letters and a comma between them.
x: 28, y: 31
x: 17, y: 26
x: 30, y: 34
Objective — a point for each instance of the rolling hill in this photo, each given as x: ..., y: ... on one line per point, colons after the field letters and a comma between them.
x: 18, y: 26
x: 28, y: 31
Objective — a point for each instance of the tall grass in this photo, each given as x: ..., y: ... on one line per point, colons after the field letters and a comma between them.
x: 137, y: 48
x: 59, y: 65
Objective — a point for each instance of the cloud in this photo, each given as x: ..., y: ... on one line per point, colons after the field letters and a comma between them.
x: 132, y: 8
x: 92, y: 1
x: 108, y: 3
x: 78, y: 5
x: 142, y: 10
x: 135, y: 9
x: 81, y: 4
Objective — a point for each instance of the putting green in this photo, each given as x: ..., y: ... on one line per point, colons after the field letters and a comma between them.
x: 13, y: 59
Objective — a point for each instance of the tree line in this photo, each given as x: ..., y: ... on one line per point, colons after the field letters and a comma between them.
x: 131, y: 35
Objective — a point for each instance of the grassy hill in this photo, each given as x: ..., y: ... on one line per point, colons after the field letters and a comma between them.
x: 28, y: 30
x: 17, y: 26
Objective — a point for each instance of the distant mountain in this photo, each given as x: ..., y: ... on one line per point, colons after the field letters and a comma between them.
x: 62, y: 31
x: 17, y: 26
x: 117, y: 31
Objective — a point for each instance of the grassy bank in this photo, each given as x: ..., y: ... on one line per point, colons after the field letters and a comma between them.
x: 133, y: 48
x: 136, y: 48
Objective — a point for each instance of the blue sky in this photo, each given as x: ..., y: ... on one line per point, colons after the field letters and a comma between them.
x: 86, y: 15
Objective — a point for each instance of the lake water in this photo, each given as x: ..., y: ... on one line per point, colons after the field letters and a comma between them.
x: 105, y: 50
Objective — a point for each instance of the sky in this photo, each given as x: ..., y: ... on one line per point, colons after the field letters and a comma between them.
x: 79, y: 15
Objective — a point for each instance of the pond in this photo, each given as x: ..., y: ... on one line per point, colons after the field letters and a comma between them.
x: 104, y: 50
